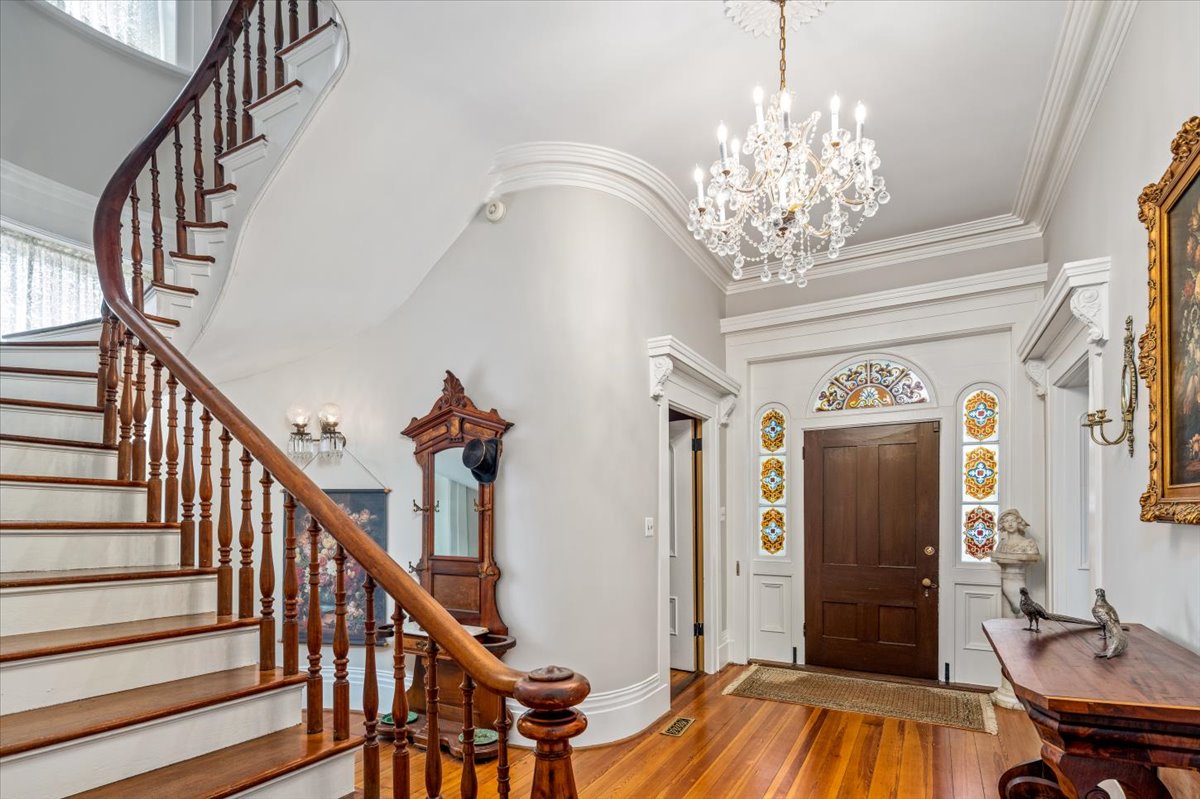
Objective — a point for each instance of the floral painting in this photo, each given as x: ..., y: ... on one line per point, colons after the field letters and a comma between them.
x: 1183, y: 226
x: 368, y: 509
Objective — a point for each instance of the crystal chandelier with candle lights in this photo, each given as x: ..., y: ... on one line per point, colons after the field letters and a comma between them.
x: 795, y: 198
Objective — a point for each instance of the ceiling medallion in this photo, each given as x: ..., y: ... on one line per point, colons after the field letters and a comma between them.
x: 761, y: 17
x: 791, y: 202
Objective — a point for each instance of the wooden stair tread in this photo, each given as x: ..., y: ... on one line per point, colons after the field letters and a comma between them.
x: 187, y: 256
x: 80, y: 639
x: 312, y: 34
x: 239, y: 147
x: 106, y: 575
x: 229, y: 771
x: 224, y: 187
x: 158, y: 284
x: 45, y: 726
x: 100, y: 482
x: 266, y: 98
x: 54, y: 406
x: 64, y: 343
x: 85, y: 526
x: 35, y: 370
x: 207, y: 225
x: 162, y: 320
x: 57, y: 442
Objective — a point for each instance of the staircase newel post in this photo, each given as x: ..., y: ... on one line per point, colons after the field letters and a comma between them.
x: 316, y: 691
x: 266, y: 581
x: 551, y: 694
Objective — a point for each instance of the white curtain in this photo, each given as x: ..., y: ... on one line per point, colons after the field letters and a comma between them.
x: 146, y: 25
x: 44, y: 283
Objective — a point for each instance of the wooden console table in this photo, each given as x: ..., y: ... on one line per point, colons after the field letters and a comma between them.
x: 1099, y: 719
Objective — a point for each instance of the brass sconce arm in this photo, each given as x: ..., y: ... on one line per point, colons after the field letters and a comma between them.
x: 1096, y: 420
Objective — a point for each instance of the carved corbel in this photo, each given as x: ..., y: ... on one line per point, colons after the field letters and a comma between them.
x: 1090, y: 306
x: 725, y: 409
x: 1035, y: 370
x: 661, y: 368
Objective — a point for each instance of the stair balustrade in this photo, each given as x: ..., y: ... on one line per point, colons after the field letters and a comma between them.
x: 135, y: 362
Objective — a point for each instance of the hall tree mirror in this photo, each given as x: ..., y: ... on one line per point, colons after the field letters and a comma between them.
x: 457, y: 447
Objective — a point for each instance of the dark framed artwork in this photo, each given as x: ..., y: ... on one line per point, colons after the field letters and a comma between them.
x: 1170, y: 347
x: 368, y: 508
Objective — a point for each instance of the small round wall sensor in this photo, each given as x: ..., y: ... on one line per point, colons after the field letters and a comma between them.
x: 495, y: 211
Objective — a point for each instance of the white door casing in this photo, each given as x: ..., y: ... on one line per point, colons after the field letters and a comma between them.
x: 680, y: 547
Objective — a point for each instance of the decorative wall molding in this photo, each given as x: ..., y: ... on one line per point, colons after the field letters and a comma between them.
x: 1079, y: 292
x: 1089, y: 306
x: 668, y: 355
x: 974, y: 285
x: 38, y: 203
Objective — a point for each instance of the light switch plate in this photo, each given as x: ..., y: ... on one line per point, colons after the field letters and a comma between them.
x: 649, y: 527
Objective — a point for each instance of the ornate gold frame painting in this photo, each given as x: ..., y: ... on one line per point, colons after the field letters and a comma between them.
x: 1170, y: 347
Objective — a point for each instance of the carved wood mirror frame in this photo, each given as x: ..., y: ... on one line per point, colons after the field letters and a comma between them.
x: 466, y: 586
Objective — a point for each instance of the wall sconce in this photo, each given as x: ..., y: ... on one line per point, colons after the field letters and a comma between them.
x: 301, y: 445
x: 1096, y: 420
x: 332, y: 443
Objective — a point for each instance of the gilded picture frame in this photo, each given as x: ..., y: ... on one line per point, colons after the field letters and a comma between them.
x: 1169, y: 359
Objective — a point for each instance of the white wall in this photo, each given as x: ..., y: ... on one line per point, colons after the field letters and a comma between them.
x: 544, y: 317
x: 1151, y: 571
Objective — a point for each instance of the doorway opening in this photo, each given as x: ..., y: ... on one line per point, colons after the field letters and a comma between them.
x: 1068, y: 553
x: 685, y: 595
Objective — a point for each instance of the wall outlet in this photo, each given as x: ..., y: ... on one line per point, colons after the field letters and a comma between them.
x: 649, y: 527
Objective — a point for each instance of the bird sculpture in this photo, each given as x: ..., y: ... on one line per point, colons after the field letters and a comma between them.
x: 1115, y: 639
x: 1035, y: 613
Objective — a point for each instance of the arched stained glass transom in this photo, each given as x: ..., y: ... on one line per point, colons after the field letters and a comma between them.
x: 872, y: 383
x: 771, y: 475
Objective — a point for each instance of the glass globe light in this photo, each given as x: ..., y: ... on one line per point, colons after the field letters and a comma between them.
x: 330, y: 414
x: 298, y: 415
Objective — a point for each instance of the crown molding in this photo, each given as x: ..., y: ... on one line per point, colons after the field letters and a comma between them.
x: 955, y: 288
x: 1088, y: 45
x: 1079, y: 293
x: 589, y: 166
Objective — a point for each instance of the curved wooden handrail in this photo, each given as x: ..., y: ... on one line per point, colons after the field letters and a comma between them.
x: 550, y: 689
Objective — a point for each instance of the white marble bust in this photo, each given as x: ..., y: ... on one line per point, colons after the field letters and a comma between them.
x: 1015, y: 543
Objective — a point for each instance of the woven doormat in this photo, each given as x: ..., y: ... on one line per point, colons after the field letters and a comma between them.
x: 942, y: 706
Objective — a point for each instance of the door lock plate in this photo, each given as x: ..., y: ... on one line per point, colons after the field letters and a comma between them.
x: 930, y: 550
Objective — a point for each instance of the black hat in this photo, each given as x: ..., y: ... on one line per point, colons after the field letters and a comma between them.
x: 482, y: 457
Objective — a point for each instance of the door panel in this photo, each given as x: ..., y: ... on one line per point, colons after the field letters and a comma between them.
x: 772, y: 635
x: 683, y: 648
x: 870, y: 499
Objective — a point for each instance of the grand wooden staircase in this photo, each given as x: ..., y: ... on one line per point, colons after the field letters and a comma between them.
x: 137, y: 659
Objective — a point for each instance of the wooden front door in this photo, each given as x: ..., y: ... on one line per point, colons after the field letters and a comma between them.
x: 870, y: 538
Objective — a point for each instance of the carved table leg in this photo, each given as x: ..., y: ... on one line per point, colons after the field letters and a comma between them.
x: 1032, y: 780
x: 1080, y: 777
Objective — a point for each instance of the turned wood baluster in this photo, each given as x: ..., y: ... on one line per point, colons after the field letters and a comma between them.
x: 106, y: 323
x: 112, y: 380
x: 293, y: 21
x: 266, y: 582
x: 433, y: 740
x: 341, y: 651
x: 247, y: 83
x: 469, y: 784
x: 225, y: 534
x: 400, y: 776
x: 278, y: 43
x: 187, y: 525
x: 180, y: 197
x: 157, y: 271
x: 370, y: 698
x: 502, y: 724
x: 231, y: 126
x: 198, y: 163
x: 262, y: 49
x: 246, y: 542
x: 316, y: 699
x: 205, y: 547
x: 139, y: 416
x: 171, y: 487
x: 218, y: 134
x: 137, y: 285
x: 154, y: 483
x: 125, y: 446
x: 312, y: 15
x: 291, y: 589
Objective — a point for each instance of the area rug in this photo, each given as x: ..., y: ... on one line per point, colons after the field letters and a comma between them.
x: 946, y: 707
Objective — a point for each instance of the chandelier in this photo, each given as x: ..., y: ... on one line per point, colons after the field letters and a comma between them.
x: 792, y: 200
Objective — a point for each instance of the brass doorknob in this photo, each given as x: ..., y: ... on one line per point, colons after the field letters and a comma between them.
x: 929, y: 550
x: 927, y: 583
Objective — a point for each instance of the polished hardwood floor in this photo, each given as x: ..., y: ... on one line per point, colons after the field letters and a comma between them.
x: 748, y: 748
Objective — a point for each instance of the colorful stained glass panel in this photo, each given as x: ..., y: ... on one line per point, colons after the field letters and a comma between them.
x: 980, y: 473
x: 979, y: 530
x: 981, y: 416
x: 772, y: 431
x: 772, y: 530
x: 872, y: 384
x: 771, y: 480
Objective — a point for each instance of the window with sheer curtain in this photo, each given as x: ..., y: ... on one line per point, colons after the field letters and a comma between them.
x: 145, y: 25
x: 44, y: 283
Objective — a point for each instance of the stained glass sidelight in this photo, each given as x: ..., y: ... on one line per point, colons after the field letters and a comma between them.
x: 872, y: 384
x: 772, y: 483
x: 981, y: 472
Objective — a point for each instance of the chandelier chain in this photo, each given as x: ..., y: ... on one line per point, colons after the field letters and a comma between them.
x: 782, y: 46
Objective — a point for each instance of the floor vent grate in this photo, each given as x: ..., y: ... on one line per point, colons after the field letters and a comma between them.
x: 678, y: 727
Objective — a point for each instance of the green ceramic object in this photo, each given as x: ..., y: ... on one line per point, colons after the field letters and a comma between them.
x: 386, y: 718
x: 482, y: 737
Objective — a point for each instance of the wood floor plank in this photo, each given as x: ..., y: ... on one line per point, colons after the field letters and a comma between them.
x: 856, y: 781
x: 885, y: 778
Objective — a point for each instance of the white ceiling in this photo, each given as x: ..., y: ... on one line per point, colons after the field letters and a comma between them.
x: 433, y: 90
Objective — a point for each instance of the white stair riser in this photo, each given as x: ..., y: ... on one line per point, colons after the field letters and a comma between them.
x: 45, y: 460
x: 49, y: 388
x: 77, y: 358
x: 57, y: 607
x: 45, y: 550
x: 38, y: 682
x: 329, y: 779
x: 17, y: 420
x: 71, y: 503
x: 172, y: 304
x: 76, y: 766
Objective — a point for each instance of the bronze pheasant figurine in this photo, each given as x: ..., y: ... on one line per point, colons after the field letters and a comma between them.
x: 1035, y: 613
x: 1110, y: 624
